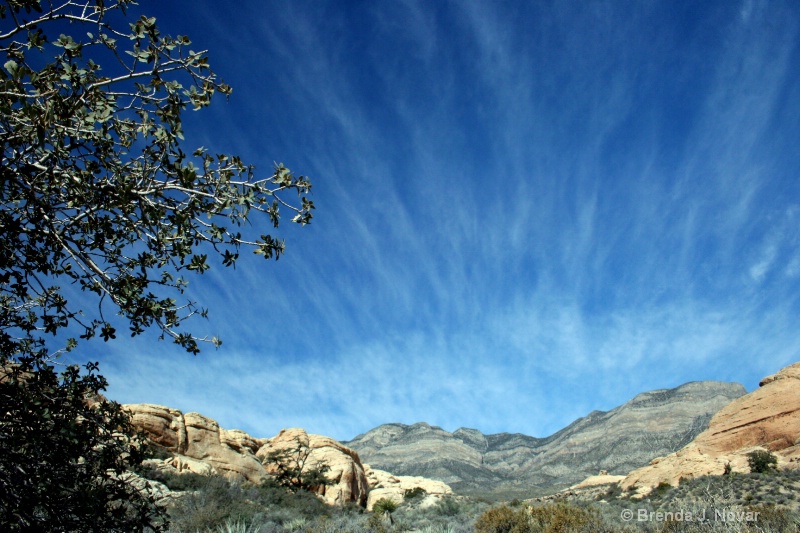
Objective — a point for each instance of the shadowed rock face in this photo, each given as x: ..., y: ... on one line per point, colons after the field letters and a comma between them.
x: 768, y: 417
x: 650, y: 425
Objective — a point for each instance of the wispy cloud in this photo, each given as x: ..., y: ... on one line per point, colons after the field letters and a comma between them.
x: 525, y: 213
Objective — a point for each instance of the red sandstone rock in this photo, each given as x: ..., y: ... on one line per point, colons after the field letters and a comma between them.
x: 768, y: 417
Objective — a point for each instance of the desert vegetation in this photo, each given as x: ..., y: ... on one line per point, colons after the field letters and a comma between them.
x: 738, y: 502
x: 211, y: 503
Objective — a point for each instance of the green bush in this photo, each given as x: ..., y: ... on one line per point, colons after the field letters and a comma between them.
x: 416, y: 492
x: 613, y: 492
x: 63, y: 449
x: 761, y: 461
x: 383, y: 505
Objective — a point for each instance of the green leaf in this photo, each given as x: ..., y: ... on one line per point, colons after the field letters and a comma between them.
x: 12, y: 67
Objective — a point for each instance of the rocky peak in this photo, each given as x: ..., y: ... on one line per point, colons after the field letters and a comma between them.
x: 473, y: 438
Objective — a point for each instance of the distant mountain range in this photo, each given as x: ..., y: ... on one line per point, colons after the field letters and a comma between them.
x: 652, y: 424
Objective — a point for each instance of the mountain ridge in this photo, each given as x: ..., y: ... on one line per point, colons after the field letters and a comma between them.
x: 650, y: 425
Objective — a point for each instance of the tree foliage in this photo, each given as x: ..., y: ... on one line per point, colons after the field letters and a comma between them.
x: 62, y: 453
x: 100, y: 202
x: 96, y: 188
x: 762, y: 461
x: 292, y: 469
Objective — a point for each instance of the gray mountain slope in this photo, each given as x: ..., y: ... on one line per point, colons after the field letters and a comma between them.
x: 650, y: 425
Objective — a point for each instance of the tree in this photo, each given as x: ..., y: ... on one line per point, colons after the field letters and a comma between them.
x: 97, y: 192
x: 761, y: 461
x: 291, y: 468
x: 96, y: 188
x: 62, y: 455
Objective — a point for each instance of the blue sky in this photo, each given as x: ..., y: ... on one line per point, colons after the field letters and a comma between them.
x: 525, y: 211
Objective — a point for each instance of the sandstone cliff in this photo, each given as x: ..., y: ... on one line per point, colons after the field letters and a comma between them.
x: 768, y: 417
x: 650, y: 425
x: 345, y: 468
x: 197, y: 444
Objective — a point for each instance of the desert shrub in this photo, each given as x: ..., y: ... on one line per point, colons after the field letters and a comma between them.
x: 661, y: 489
x: 301, y: 503
x: 383, y: 505
x: 775, y: 518
x: 186, y: 481
x: 233, y: 526
x: 613, y: 492
x: 219, y: 503
x: 447, y: 507
x: 562, y: 517
x: 346, y: 522
x: 549, y: 518
x: 761, y: 461
x: 439, y: 528
x: 435, y: 518
x: 212, y: 505
x: 416, y: 492
x: 502, y: 520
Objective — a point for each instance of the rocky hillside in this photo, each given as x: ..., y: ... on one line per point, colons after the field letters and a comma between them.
x: 650, y: 425
x: 195, y: 443
x: 767, y: 418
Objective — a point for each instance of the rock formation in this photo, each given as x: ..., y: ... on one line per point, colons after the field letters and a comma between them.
x: 193, y: 436
x: 345, y: 469
x: 650, y: 425
x: 385, y: 485
x: 197, y: 444
x: 768, y: 418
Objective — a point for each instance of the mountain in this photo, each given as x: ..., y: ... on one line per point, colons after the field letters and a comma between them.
x: 650, y: 425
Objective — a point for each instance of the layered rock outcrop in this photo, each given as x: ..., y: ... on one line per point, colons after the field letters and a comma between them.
x: 768, y: 418
x: 192, y: 436
x: 650, y: 425
x: 197, y: 444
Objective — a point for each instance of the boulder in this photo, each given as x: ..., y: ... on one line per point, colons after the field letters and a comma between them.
x: 382, y: 484
x: 345, y: 469
x: 162, y: 425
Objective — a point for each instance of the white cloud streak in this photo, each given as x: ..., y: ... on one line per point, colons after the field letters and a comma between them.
x: 523, y: 216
